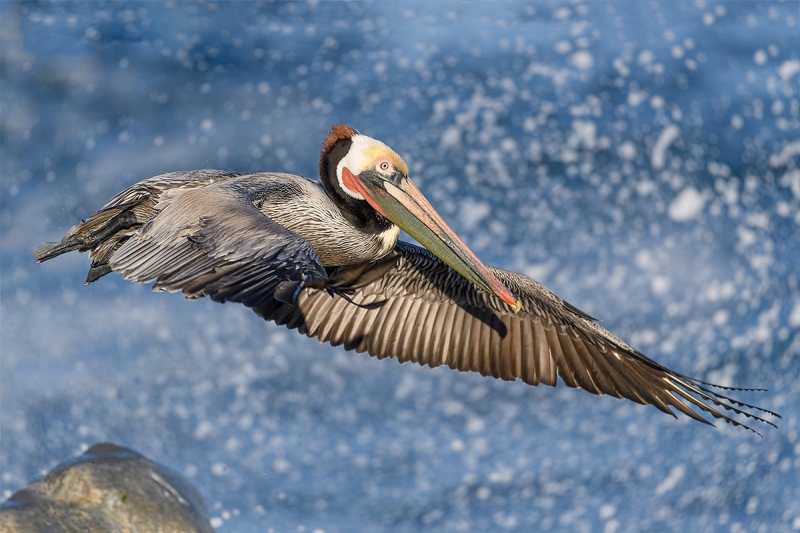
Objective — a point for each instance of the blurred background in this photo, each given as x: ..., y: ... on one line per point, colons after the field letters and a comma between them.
x: 642, y: 159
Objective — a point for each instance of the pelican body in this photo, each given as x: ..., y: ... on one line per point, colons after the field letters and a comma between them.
x: 324, y: 258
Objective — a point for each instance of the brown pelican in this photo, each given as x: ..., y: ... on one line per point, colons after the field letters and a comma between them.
x: 326, y: 260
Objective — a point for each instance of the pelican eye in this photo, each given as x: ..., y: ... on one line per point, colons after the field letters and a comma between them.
x: 384, y: 166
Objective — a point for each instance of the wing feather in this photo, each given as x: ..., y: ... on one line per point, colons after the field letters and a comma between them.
x: 458, y: 340
x: 416, y: 342
x: 468, y: 333
x: 528, y: 364
x: 330, y: 309
x: 378, y: 342
x: 482, y: 355
x: 581, y: 369
x: 611, y: 380
x: 414, y: 316
x: 542, y: 365
x: 344, y: 323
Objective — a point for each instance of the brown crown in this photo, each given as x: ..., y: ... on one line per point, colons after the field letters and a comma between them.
x: 338, y: 133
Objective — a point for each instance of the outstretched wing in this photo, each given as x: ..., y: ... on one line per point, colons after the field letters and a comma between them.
x: 214, y: 242
x: 202, y: 239
x: 104, y: 232
x: 415, y: 308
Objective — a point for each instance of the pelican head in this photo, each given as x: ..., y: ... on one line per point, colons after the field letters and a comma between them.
x: 370, y: 183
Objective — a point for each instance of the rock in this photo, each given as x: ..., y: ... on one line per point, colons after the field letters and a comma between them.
x: 108, y: 488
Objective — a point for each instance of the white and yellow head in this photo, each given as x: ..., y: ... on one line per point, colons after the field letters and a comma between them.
x: 369, y: 182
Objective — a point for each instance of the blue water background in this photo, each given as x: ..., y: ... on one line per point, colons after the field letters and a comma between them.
x: 642, y: 159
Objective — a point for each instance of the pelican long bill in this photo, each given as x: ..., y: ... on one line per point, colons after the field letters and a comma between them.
x: 404, y: 205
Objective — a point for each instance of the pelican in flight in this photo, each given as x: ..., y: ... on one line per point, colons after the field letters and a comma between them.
x: 325, y: 259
